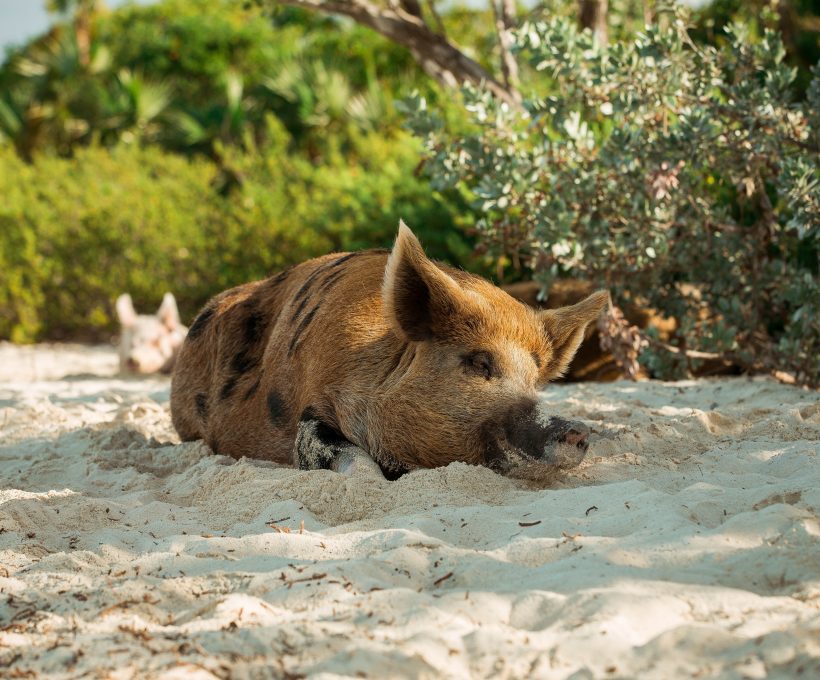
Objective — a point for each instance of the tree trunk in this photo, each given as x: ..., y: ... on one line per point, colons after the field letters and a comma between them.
x: 82, y: 31
x: 592, y: 14
x: 504, y: 11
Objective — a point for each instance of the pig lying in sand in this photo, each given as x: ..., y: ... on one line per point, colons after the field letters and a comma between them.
x: 149, y: 343
x: 380, y: 356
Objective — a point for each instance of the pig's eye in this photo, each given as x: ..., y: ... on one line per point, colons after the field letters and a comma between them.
x: 479, y: 363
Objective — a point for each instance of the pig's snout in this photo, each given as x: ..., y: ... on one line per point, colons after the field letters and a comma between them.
x: 570, y: 444
x: 578, y: 437
x: 551, y: 440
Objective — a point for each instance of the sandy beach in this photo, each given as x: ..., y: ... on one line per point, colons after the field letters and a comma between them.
x: 686, y: 545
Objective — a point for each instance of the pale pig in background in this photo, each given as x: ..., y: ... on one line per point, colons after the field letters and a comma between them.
x: 149, y: 343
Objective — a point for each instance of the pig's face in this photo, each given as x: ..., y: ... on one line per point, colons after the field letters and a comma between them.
x: 466, y: 387
x: 149, y: 343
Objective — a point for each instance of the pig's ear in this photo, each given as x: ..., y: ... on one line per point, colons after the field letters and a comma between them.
x: 125, y: 310
x: 566, y: 326
x: 168, y: 313
x: 420, y: 300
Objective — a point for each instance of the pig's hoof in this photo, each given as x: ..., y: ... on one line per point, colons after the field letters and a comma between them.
x: 354, y: 461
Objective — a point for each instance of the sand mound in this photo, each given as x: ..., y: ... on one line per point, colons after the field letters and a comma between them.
x: 688, y: 543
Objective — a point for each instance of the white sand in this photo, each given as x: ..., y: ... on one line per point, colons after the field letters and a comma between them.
x: 687, y: 544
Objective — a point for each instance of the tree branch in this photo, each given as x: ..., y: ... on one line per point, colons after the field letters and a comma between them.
x: 436, y: 55
x: 726, y: 357
x: 412, y: 7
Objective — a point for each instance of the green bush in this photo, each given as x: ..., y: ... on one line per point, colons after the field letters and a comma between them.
x: 680, y: 177
x: 199, y: 145
x: 75, y: 233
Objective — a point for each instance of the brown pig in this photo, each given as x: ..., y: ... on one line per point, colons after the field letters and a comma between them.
x: 385, y: 354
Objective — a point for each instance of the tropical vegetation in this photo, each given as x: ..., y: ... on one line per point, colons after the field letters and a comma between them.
x: 194, y: 144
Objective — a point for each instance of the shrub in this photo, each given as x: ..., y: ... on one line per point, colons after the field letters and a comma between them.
x: 74, y: 233
x: 680, y: 177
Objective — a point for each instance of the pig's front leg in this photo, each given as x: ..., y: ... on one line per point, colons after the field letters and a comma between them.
x: 320, y: 447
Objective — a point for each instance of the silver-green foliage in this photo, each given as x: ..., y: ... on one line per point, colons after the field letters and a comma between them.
x: 679, y: 176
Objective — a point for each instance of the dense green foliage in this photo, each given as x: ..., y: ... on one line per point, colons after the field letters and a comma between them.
x: 76, y: 233
x: 187, y: 73
x: 797, y: 22
x: 678, y: 176
x: 196, y: 146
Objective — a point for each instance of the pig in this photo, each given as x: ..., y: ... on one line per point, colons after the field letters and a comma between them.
x: 149, y: 343
x: 380, y: 359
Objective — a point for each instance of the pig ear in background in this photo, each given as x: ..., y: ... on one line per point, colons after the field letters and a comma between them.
x: 566, y: 327
x: 420, y: 300
x: 125, y: 310
x: 168, y: 313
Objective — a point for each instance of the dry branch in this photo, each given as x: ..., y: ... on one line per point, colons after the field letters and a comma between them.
x: 434, y: 52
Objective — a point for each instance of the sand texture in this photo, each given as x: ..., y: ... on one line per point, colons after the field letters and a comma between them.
x: 686, y: 545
